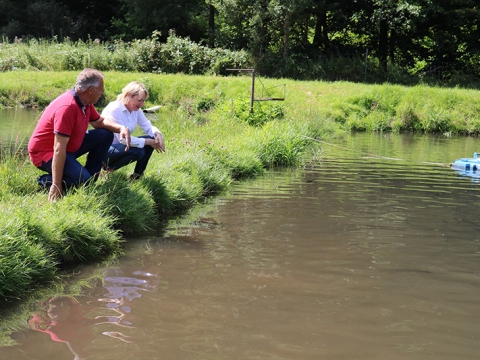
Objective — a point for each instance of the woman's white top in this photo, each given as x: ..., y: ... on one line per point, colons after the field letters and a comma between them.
x: 117, y: 112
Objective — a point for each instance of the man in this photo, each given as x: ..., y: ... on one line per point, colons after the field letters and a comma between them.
x: 62, y: 135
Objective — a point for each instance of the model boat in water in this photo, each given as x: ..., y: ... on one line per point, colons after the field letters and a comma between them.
x: 468, y: 166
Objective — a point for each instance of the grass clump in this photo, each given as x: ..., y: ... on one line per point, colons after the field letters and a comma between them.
x: 23, y: 262
x: 281, y: 144
x: 16, y: 182
x: 130, y: 204
x: 38, y: 239
x: 79, y: 228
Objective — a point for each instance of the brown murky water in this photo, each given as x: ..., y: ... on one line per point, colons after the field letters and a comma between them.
x: 354, y: 257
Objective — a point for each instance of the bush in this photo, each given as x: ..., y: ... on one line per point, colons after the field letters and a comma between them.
x: 263, y: 112
x: 177, y: 55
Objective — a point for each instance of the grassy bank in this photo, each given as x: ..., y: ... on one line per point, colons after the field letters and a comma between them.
x: 212, y: 140
x: 349, y: 106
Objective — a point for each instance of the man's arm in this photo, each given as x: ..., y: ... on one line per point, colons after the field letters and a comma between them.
x: 105, y: 123
x: 58, y: 164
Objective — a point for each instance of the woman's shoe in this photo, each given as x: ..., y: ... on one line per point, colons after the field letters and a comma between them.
x: 135, y: 177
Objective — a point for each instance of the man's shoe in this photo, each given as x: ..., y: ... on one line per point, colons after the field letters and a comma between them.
x: 45, y: 181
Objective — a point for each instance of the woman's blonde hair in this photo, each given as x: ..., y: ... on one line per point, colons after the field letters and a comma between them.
x: 130, y: 90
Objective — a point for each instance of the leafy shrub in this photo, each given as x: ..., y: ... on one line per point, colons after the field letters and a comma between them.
x: 181, y: 55
x: 263, y: 112
x: 204, y: 104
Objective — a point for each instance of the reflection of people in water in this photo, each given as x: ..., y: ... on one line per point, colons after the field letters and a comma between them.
x: 68, y: 321
x: 63, y: 321
x: 121, y: 291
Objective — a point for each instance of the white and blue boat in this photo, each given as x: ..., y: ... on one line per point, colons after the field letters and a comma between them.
x: 468, y: 166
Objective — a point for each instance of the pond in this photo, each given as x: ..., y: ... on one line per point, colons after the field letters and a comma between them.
x: 371, y: 251
x: 17, y: 125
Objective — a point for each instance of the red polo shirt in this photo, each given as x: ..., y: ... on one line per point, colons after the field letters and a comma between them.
x: 67, y: 116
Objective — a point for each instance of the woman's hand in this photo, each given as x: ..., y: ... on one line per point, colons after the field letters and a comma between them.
x: 158, y: 142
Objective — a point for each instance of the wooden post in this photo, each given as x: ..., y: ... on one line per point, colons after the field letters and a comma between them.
x: 252, y: 97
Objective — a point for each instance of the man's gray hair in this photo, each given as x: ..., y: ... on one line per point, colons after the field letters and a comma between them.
x: 88, y: 77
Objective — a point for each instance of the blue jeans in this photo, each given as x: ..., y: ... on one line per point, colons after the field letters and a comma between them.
x: 96, y: 143
x: 117, y: 157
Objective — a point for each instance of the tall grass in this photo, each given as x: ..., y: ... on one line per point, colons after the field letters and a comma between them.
x: 36, y: 237
x: 349, y: 106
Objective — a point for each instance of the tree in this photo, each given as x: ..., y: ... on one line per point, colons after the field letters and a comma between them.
x: 12, y: 21
x: 392, y: 19
x: 189, y: 18
x: 211, y: 24
x: 91, y: 18
x: 452, y: 28
x: 48, y: 19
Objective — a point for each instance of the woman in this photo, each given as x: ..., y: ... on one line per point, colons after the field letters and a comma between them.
x: 126, y: 111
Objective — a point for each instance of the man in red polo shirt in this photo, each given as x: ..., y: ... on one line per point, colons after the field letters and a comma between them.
x: 62, y: 135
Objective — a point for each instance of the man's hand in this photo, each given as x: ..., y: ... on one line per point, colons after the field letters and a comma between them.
x: 55, y: 193
x: 58, y: 163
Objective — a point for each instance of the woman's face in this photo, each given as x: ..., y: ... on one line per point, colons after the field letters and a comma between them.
x: 135, y: 102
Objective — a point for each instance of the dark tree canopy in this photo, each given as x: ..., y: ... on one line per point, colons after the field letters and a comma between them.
x: 405, y: 33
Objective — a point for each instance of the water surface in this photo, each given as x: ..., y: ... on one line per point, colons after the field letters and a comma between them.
x: 371, y: 253
x: 17, y: 125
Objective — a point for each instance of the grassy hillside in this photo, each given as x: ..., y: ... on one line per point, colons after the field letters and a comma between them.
x: 347, y: 106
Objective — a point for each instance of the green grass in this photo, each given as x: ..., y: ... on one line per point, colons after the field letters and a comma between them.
x: 410, y: 109
x: 338, y: 105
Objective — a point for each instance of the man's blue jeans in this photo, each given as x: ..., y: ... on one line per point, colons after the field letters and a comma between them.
x: 95, y: 144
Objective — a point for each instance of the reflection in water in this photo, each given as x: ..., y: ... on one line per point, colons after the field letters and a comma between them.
x: 121, y: 291
x: 62, y: 320
x: 73, y: 321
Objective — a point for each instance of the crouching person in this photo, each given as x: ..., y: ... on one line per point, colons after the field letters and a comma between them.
x: 127, y: 111
x: 62, y: 135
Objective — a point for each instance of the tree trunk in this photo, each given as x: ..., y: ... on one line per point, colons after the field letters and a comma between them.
x: 383, y: 43
x: 320, y: 37
x: 286, y: 35
x: 211, y: 26
x: 391, y: 46
x: 183, y: 19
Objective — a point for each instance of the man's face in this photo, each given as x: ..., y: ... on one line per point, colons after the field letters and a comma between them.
x: 96, y: 92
